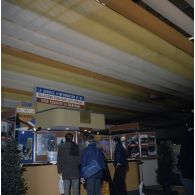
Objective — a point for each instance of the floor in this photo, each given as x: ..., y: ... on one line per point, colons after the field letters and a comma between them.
x: 157, y: 190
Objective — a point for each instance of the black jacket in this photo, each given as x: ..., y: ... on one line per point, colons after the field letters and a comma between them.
x: 186, y: 158
x: 120, y: 155
x: 68, y: 161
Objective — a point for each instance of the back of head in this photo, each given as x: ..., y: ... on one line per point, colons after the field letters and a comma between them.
x: 117, y: 140
x: 90, y: 139
x: 69, y: 137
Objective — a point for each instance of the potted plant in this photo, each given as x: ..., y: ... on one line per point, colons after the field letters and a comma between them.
x: 165, y: 166
x: 12, y: 181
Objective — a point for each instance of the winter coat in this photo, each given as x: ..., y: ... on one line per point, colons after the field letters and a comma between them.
x: 68, y: 160
x: 91, y: 152
x: 186, y: 160
x: 120, y: 155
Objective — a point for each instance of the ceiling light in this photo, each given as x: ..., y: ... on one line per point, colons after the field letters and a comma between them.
x: 101, y: 3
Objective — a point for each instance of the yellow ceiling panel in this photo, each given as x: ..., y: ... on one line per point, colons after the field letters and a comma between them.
x: 150, y: 22
x: 26, y: 67
x: 107, y: 26
x: 16, y: 96
x: 123, y: 43
x: 51, y: 73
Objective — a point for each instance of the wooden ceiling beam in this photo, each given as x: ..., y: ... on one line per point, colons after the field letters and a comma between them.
x: 138, y: 15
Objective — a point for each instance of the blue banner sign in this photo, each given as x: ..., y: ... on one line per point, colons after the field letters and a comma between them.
x: 49, y: 96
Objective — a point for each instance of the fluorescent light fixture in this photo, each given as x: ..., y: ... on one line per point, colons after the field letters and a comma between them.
x: 100, y: 2
x: 191, y: 38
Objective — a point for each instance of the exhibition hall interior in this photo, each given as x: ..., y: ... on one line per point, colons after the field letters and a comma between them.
x: 102, y: 67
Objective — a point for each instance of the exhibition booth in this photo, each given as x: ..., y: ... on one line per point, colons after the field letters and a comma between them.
x: 40, y: 130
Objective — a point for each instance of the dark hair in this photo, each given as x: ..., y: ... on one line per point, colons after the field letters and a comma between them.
x: 69, y: 137
x: 90, y: 138
x: 117, y: 139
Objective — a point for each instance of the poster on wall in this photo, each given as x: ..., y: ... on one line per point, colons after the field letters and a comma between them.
x: 148, y: 145
x: 60, y: 137
x: 7, y: 128
x: 59, y: 98
x: 26, y: 146
x: 45, y: 143
x: 103, y: 142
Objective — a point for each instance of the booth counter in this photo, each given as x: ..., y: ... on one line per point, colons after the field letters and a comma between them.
x: 43, y: 179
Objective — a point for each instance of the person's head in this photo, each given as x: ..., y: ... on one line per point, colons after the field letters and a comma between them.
x: 117, y: 140
x: 90, y: 139
x: 69, y: 137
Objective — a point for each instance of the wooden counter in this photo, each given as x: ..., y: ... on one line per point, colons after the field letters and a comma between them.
x: 43, y: 179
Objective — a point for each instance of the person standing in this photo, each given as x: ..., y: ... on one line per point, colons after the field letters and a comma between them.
x: 90, y: 153
x: 68, y: 161
x: 121, y: 166
x: 186, y: 159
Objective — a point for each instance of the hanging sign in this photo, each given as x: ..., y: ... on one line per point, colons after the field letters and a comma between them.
x: 58, y: 98
x: 25, y: 118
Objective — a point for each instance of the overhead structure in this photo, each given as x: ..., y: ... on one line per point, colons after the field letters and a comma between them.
x: 125, y: 61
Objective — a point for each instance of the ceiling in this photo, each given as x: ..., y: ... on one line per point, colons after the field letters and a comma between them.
x: 132, y: 60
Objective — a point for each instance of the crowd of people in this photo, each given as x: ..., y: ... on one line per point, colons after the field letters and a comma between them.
x: 89, y: 167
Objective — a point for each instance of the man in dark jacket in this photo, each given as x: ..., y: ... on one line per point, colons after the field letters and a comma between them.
x: 68, y: 161
x: 121, y: 165
x: 186, y: 159
x: 90, y: 153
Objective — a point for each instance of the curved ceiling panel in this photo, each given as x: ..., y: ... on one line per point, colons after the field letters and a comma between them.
x: 127, y: 74
x: 124, y: 34
x: 82, y: 47
x: 24, y: 82
x: 173, y: 14
x: 133, y: 12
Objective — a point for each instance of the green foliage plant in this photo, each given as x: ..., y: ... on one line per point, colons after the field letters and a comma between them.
x: 165, y: 166
x: 12, y: 181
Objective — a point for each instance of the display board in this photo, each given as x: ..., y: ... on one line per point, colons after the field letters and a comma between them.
x: 26, y: 146
x: 130, y: 142
x: 7, y: 128
x: 104, y: 142
x: 47, y: 143
x: 138, y: 145
x: 148, y: 146
x: 42, y: 146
